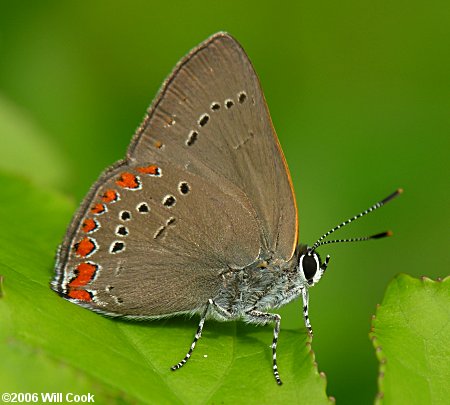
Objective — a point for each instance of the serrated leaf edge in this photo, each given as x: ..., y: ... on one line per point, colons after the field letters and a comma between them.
x: 315, y: 364
x: 382, y: 359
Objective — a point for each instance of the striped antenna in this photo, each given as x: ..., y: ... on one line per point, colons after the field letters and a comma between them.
x: 361, y: 239
x: 367, y: 211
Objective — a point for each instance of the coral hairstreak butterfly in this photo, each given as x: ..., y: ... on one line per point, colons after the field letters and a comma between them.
x: 200, y: 217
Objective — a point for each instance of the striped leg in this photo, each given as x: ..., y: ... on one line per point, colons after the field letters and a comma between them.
x: 198, y: 335
x: 305, y: 297
x: 263, y: 318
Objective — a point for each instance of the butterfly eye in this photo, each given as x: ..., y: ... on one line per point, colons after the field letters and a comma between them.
x: 309, y: 264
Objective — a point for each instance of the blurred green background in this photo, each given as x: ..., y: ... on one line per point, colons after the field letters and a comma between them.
x: 359, y: 92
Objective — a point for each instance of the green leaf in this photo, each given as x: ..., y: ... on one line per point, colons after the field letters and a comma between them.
x: 26, y: 150
x: 411, y: 335
x: 50, y: 345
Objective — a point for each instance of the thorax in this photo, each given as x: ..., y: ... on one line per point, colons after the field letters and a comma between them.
x: 263, y: 285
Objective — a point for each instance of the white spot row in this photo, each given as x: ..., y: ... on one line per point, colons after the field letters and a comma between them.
x: 215, y: 106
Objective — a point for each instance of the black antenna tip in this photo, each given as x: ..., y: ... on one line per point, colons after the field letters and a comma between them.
x: 381, y: 235
x: 392, y: 196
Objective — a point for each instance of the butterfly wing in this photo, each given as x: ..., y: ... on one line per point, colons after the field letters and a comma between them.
x: 204, y: 190
x: 211, y: 116
x: 153, y: 239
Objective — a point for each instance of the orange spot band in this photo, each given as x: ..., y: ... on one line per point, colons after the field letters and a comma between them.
x: 110, y: 196
x: 89, y: 225
x: 151, y: 169
x: 79, y: 295
x: 98, y: 209
x: 85, y: 273
x: 84, y: 247
x: 128, y: 180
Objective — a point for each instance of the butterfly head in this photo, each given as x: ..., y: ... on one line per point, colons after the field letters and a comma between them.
x: 310, y: 266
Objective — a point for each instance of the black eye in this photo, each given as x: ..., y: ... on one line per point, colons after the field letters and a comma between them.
x: 309, y: 267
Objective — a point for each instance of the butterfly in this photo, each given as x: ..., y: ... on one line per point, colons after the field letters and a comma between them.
x: 200, y: 217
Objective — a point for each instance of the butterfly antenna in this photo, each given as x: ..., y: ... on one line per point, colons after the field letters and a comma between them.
x: 361, y: 239
x: 367, y: 211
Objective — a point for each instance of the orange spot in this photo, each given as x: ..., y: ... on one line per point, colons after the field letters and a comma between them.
x: 98, y: 209
x: 158, y: 144
x: 110, y: 196
x: 85, y: 273
x: 127, y: 180
x: 89, y: 225
x: 84, y: 247
x: 79, y: 295
x: 152, y: 169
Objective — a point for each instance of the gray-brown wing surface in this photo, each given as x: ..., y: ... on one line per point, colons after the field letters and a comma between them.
x: 152, y: 239
x: 212, y: 118
x: 204, y: 189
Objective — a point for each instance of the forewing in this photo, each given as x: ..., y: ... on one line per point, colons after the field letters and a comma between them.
x: 153, y: 239
x: 211, y: 116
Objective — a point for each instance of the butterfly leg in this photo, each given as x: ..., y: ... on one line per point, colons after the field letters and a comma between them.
x: 305, y: 298
x: 254, y: 316
x: 211, y: 304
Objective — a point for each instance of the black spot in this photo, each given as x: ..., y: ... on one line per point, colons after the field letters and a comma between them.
x: 215, y: 106
x: 125, y: 215
x: 119, y: 300
x: 170, y: 221
x: 229, y: 103
x: 203, y: 120
x: 109, y: 288
x: 159, y: 232
x: 184, y: 188
x: 143, y: 207
x: 242, y: 97
x: 121, y: 230
x: 169, y: 201
x: 192, y: 138
x: 117, y: 247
